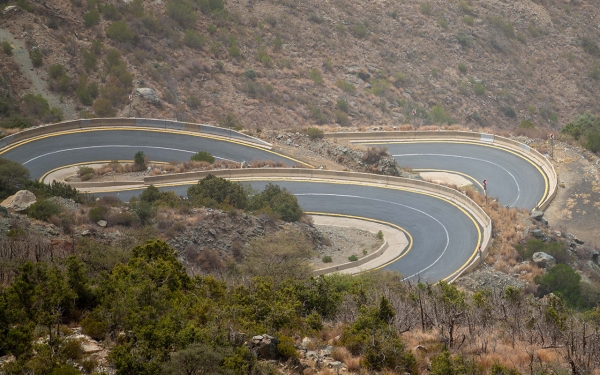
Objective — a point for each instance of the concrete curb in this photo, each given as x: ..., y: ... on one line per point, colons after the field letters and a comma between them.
x: 522, y: 149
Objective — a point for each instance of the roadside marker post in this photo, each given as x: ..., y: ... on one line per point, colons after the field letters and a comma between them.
x: 485, y: 190
x: 552, y: 145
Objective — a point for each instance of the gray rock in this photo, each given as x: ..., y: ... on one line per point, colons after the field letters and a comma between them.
x: 543, y: 260
x: 19, y: 202
x: 148, y: 95
x: 538, y: 233
x: 102, y: 223
x: 578, y: 241
x: 289, y: 141
x: 557, y: 233
x: 311, y: 354
x: 544, y: 221
x: 593, y: 266
x: 595, y: 257
x: 264, y: 346
x: 335, y: 364
x: 535, y: 214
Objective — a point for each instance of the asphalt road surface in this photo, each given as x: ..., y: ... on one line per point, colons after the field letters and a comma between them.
x: 444, y: 237
x: 46, y: 154
x: 511, y: 179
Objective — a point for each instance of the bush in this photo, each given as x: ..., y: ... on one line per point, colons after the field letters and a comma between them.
x: 508, y: 112
x: 468, y: 20
x: 139, y: 159
x: 341, y: 117
x: 439, y: 115
x: 56, y: 70
x: 120, y: 31
x: 590, y: 46
x: 506, y: 27
x: 327, y: 259
x: 286, y: 348
x: 182, y: 12
x: 213, y: 191
x: 526, y: 124
x: 104, y: 108
x: 359, y: 30
x: 85, y: 170
x: 203, y: 156
x: 315, y: 133
x: 315, y: 76
x: 563, y: 281
x: 426, y: 8
x: 91, y: 18
x: 345, y: 86
x: 380, y: 235
x: 264, y: 58
x: 318, y: 115
x: 97, y: 213
x: 43, y: 210
x: 210, y: 6
x: 279, y: 201
x: 7, y: 48
x: 479, y: 88
x: 193, y: 39
x: 353, y: 258
x: 462, y: 68
x: 230, y: 121
x: 36, y: 56
x: 250, y: 74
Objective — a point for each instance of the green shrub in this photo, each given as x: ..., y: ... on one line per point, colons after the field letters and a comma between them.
x: 379, y: 86
x: 426, y: 8
x: 353, y: 258
x: 139, y: 159
x: 359, y: 30
x: 462, y: 68
x: 182, y: 12
x: 590, y: 46
x: 315, y: 76
x: 230, y: 121
x: 443, y: 23
x: 508, y: 111
x: 345, y: 86
x: 203, y: 156
x: 342, y: 105
x: 563, y: 281
x: 277, y: 200
x: 193, y: 39
x: 465, y: 7
x: 7, y: 48
x: 91, y: 18
x: 250, y: 74
x: 464, y: 39
x: 315, y: 18
x: 65, y: 370
x: 85, y: 170
x: 327, y: 259
x: 263, y: 57
x: 235, y: 53
x: 109, y: 11
x: 104, y: 108
x: 277, y: 43
x: 97, y: 213
x: 479, y: 88
x: 314, y: 321
x: 210, y: 6
x: 214, y: 191
x: 380, y: 235
x: 506, y: 27
x: 286, y: 348
x: 318, y: 115
x: 592, y: 142
x: 526, y: 124
x: 56, y: 70
x: 36, y: 56
x: 120, y: 31
x: 43, y: 210
x: 93, y: 327
x: 439, y: 115
x: 595, y: 72
x: 468, y: 20
x: 341, y: 117
x: 315, y: 133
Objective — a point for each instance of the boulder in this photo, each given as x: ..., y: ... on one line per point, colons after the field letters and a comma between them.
x: 537, y: 215
x: 20, y: 201
x: 543, y: 260
x: 102, y: 223
x: 148, y: 95
x: 538, y: 233
x: 264, y: 346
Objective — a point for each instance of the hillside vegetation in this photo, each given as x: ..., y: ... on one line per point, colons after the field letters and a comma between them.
x: 282, y: 64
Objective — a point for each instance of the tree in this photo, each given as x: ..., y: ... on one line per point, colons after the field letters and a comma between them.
x: 278, y: 200
x: 150, y: 195
x: 203, y: 156
x: 139, y: 160
x: 563, y: 280
x: 214, y: 191
x: 280, y: 256
x: 13, y: 177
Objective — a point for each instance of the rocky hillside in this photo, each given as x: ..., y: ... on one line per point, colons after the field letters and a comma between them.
x: 286, y: 64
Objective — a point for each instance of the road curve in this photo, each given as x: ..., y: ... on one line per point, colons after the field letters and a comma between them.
x: 511, y: 178
x: 445, y: 237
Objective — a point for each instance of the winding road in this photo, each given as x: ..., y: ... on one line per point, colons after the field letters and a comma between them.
x: 444, y: 235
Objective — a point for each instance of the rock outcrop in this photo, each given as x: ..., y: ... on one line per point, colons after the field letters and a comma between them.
x: 543, y: 260
x: 19, y: 202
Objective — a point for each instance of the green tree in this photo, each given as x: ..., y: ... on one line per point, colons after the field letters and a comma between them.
x: 36, y: 56
x: 13, y: 177
x: 139, y: 159
x: 120, y: 31
x: 203, y: 156
x: 182, y: 12
x: 214, y: 191
x: 151, y: 194
x: 280, y: 201
x: 91, y: 18
x: 43, y: 210
x: 562, y: 280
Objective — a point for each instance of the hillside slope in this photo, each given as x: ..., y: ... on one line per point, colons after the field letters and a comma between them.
x: 282, y: 64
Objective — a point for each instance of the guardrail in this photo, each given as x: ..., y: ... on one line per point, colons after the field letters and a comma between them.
x: 454, y: 196
x: 523, y: 149
x: 132, y: 122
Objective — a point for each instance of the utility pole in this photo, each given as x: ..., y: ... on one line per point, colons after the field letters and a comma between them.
x: 552, y: 146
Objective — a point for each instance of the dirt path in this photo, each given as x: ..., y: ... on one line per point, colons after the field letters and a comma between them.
x: 38, y: 77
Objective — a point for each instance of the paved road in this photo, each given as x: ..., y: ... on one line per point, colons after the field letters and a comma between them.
x: 444, y: 237
x: 48, y: 153
x: 511, y: 179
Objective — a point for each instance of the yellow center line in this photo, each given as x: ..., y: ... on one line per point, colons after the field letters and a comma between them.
x: 483, y: 144
x: 155, y: 130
